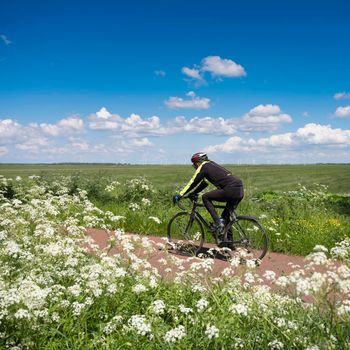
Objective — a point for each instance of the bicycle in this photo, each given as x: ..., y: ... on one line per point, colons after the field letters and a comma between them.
x: 187, y: 228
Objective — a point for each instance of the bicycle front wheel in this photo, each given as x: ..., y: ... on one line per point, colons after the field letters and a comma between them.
x: 252, y: 236
x: 186, y: 232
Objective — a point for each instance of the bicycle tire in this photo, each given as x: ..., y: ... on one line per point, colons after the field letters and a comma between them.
x: 252, y: 236
x: 186, y: 232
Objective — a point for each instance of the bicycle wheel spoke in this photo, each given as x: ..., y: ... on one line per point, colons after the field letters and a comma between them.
x: 186, y: 233
x: 252, y: 237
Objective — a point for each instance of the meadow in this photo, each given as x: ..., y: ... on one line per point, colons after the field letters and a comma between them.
x: 59, y: 291
x: 299, y: 205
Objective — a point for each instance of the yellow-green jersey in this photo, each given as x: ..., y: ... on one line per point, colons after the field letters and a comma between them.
x: 217, y: 175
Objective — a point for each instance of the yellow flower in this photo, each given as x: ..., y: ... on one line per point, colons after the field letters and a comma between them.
x: 333, y: 222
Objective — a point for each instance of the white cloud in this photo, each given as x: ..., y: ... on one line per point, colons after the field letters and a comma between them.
x: 342, y: 96
x: 205, y: 125
x: 265, y: 110
x: 34, y: 136
x: 159, y: 73
x: 80, y: 145
x: 231, y: 145
x: 322, y: 135
x: 33, y: 144
x: 5, y: 39
x: 104, y: 120
x: 53, y: 142
x: 143, y: 142
x: 193, y: 103
x: 135, y: 124
x: 193, y: 73
x: 10, y: 130
x: 218, y: 68
x: 309, y: 135
x: 221, y: 67
x: 64, y: 127
x: 343, y: 112
x: 191, y: 94
x: 260, y: 118
x: 103, y: 113
x: 264, y: 118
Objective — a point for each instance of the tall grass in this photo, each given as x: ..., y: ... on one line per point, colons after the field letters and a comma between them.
x: 296, y: 220
x: 58, y: 291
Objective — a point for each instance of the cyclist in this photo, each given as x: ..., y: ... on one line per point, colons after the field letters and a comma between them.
x: 229, y: 189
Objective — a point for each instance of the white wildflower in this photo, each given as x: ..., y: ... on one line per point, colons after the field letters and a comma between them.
x: 275, y: 344
x: 77, y: 308
x: 320, y: 248
x: 282, y: 281
x: 249, y: 277
x: 12, y: 248
x: 22, y: 314
x: 139, y: 288
x: 55, y: 317
x: 139, y: 324
x: 239, y: 343
x: 312, y: 347
x: 158, y: 307
x: 344, y: 308
x: 185, y: 310
x: 146, y: 201
x: 292, y: 325
x: 270, y: 275
x: 280, y: 322
x: 134, y: 206
x: 317, y: 258
x: 240, y: 309
x: 211, y: 332
x: 175, y: 334
x: 155, y: 219
x: 202, y: 304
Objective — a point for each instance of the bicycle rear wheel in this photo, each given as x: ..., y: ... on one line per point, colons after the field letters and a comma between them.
x: 186, y: 232
x: 251, y: 236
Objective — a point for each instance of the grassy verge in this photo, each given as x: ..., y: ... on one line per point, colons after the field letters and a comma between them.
x: 55, y: 294
x: 296, y: 220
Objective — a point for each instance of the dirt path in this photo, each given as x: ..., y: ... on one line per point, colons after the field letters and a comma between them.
x: 281, y: 264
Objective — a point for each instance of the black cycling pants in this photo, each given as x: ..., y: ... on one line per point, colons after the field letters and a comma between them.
x: 232, y: 195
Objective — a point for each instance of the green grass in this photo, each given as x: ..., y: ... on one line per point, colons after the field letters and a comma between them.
x: 255, y: 177
x: 54, y: 295
x: 300, y: 205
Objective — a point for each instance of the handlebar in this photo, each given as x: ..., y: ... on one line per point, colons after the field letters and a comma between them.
x: 192, y: 198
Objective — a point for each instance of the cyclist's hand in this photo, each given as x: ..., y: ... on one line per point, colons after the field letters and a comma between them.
x: 193, y: 196
x: 176, y: 198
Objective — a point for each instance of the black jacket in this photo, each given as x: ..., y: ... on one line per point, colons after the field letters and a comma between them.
x: 215, y: 174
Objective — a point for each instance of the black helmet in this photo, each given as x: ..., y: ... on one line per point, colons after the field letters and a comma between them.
x: 199, y: 157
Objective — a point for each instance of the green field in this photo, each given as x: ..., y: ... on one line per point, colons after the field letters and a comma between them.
x: 299, y: 205
x: 258, y: 177
x: 55, y: 295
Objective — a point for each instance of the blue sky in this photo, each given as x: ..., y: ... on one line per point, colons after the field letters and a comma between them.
x: 155, y: 81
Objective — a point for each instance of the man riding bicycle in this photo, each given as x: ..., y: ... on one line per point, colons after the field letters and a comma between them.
x: 229, y: 189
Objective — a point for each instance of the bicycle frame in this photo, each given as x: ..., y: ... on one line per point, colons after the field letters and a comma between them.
x: 233, y: 220
x: 247, y: 232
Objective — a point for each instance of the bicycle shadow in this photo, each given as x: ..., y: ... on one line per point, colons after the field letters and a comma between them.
x: 205, y: 252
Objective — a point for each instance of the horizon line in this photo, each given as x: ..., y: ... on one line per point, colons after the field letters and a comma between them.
x: 168, y: 164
